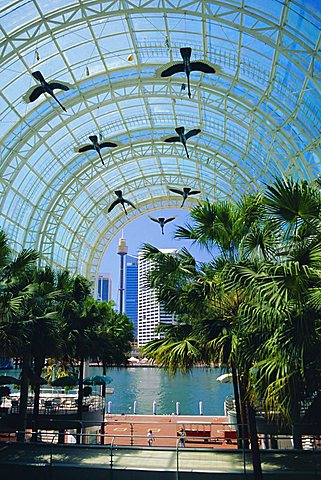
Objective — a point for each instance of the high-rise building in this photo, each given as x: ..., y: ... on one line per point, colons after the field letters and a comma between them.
x: 150, y: 311
x: 131, y: 290
x: 103, y: 287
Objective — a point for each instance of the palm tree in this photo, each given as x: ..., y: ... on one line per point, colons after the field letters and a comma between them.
x: 79, y: 314
x: 234, y: 232
x: 205, y: 329
x: 50, y: 288
x: 114, y: 335
x: 284, y: 303
x: 14, y: 326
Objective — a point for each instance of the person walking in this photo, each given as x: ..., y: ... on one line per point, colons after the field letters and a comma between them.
x: 150, y: 437
x: 182, y: 436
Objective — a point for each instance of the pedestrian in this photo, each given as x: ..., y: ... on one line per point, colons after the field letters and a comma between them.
x: 150, y: 437
x: 182, y: 436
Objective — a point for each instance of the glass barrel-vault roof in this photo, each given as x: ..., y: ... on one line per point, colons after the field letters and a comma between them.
x: 259, y: 115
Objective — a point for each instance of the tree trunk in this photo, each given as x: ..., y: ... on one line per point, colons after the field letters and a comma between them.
x: 243, y: 412
x: 103, y: 394
x: 38, y: 366
x: 256, y: 457
x: 24, y: 387
x: 80, y: 398
x: 240, y: 426
x: 297, y: 438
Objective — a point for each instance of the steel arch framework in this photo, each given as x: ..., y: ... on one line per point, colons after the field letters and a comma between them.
x: 259, y: 115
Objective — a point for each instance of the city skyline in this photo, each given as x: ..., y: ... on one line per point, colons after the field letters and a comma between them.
x: 141, y: 231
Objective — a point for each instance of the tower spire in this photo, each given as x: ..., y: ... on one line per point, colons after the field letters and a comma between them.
x: 122, y: 251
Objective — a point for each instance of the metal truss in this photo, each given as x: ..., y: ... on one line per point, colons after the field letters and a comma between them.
x: 259, y: 116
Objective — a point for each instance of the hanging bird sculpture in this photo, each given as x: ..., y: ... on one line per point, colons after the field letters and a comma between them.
x: 95, y: 145
x: 34, y: 92
x: 162, y: 221
x: 185, y: 66
x: 121, y: 200
x: 182, y: 137
x: 185, y: 192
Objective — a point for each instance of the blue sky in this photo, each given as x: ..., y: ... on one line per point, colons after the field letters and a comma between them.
x: 143, y: 230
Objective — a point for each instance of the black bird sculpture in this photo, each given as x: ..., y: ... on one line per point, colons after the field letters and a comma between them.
x: 121, y: 200
x: 183, y: 137
x: 186, y: 66
x: 34, y: 92
x: 186, y: 192
x: 162, y: 221
x: 95, y: 145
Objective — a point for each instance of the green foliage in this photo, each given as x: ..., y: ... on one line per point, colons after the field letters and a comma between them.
x: 257, y: 305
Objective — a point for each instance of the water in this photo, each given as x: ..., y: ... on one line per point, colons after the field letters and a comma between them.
x: 145, y: 384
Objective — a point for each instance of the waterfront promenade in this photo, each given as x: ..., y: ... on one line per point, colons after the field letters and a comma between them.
x: 203, y: 431
x: 209, y: 453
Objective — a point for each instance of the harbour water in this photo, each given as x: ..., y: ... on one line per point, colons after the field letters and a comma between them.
x: 146, y: 385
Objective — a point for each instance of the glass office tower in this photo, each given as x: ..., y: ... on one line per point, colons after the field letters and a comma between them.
x: 104, y: 287
x: 131, y: 290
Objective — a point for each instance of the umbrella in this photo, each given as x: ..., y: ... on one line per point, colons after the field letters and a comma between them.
x: 9, y: 380
x: 225, y: 378
x: 35, y: 380
x: 133, y: 360
x: 144, y: 360
x: 98, y: 380
x: 4, y: 392
x: 66, y: 381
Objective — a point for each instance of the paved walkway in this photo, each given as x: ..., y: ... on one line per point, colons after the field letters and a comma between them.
x: 131, y: 458
x: 128, y: 433
x: 204, y: 431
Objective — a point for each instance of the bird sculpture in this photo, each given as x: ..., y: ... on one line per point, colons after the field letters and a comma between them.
x: 162, y: 221
x: 34, y: 92
x: 95, y: 145
x: 185, y: 192
x: 183, y: 137
x: 185, y: 66
x: 121, y: 200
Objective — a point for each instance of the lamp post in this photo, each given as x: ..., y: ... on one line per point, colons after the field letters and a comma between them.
x: 122, y: 250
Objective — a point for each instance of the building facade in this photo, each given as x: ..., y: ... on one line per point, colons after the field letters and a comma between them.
x: 150, y: 311
x: 131, y: 290
x: 104, y: 286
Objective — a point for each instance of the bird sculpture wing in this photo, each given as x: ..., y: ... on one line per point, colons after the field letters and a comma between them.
x: 154, y: 219
x: 108, y: 144
x: 85, y: 148
x: 38, y: 76
x: 175, y: 190
x: 194, y: 192
x: 202, y: 67
x: 192, y: 133
x: 170, y: 69
x: 169, y: 219
x: 55, y: 85
x: 172, y: 139
x: 186, y: 52
x: 129, y: 203
x: 32, y: 94
x: 180, y: 130
x: 93, y: 138
x: 113, y: 205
